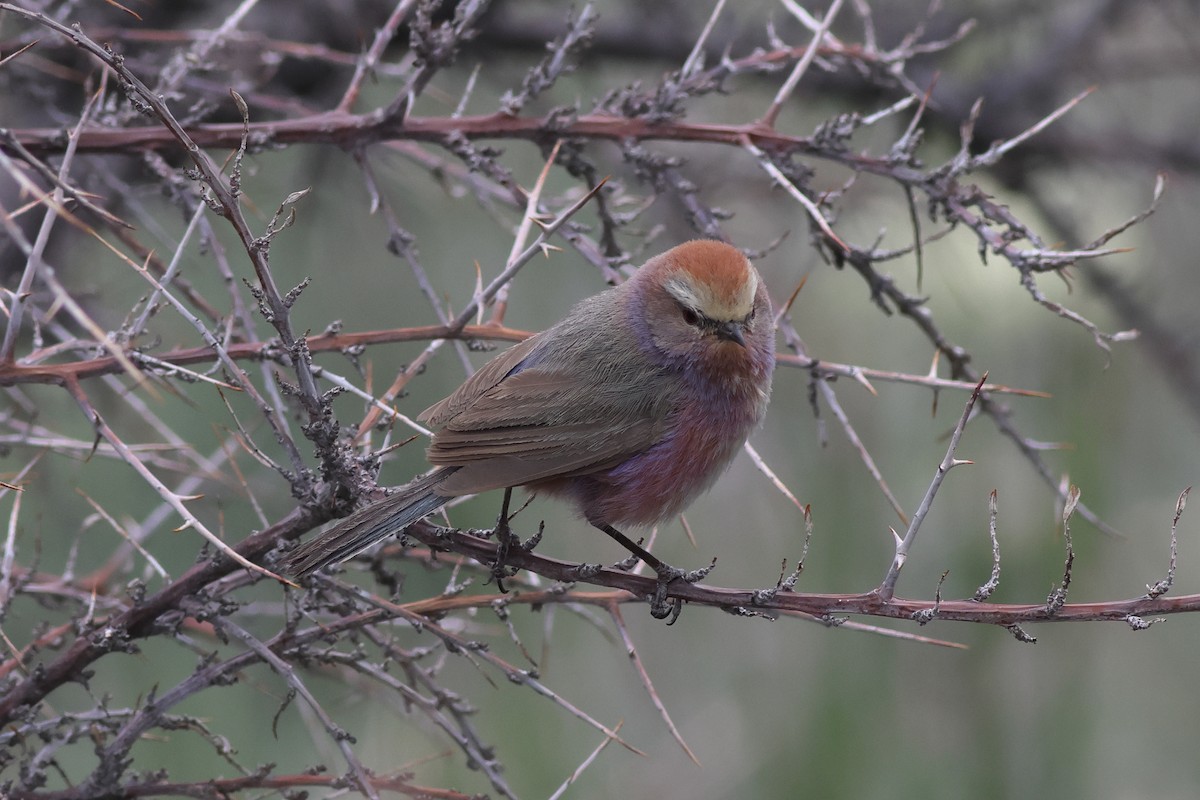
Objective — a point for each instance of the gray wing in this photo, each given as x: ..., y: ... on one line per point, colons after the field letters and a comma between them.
x: 483, y: 380
x: 513, y: 423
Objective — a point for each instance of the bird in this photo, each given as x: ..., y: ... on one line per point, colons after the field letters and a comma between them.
x: 628, y: 408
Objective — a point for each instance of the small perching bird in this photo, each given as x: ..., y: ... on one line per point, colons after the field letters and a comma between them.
x: 629, y: 407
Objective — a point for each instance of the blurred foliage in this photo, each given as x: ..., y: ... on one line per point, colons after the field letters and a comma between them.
x: 778, y: 709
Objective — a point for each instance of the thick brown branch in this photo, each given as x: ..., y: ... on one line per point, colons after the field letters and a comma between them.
x: 356, y: 130
x: 12, y: 374
x: 814, y: 604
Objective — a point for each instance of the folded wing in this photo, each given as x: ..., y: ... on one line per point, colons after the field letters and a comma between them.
x: 518, y: 421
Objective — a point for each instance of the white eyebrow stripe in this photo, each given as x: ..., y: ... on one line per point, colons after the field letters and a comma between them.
x: 683, y: 290
x: 701, y: 299
x: 749, y: 290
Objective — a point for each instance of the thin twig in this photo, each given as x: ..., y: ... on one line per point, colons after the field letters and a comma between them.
x: 789, y: 86
x: 887, y: 588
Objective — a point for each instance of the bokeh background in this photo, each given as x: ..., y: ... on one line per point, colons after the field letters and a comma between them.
x: 771, y: 709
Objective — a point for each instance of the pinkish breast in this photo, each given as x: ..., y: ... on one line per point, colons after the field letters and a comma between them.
x: 700, y: 442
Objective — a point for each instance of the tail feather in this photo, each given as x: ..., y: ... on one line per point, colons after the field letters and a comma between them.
x: 368, y: 525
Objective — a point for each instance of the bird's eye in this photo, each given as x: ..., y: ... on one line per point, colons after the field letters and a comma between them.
x: 690, y: 316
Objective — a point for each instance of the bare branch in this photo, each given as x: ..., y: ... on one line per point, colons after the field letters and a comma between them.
x: 903, y: 544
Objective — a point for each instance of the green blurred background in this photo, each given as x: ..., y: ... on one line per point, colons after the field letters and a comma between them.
x: 771, y: 709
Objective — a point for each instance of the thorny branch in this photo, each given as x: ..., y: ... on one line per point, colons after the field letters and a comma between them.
x: 372, y: 634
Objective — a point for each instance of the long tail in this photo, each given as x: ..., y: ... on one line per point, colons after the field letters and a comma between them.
x: 368, y: 525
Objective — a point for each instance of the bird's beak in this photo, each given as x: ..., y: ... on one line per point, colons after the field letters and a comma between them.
x: 731, y: 332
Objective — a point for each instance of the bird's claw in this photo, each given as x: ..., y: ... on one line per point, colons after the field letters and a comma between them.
x: 506, y: 540
x: 669, y: 608
x: 663, y: 607
x: 500, y: 571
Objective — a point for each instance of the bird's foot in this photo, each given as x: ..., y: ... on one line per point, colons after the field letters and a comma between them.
x: 506, y: 542
x: 663, y: 606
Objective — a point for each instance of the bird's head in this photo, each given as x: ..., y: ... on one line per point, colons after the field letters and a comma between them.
x: 705, y: 304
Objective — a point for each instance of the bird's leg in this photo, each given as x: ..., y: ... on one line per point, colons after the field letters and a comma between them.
x: 505, y: 541
x: 661, y: 606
